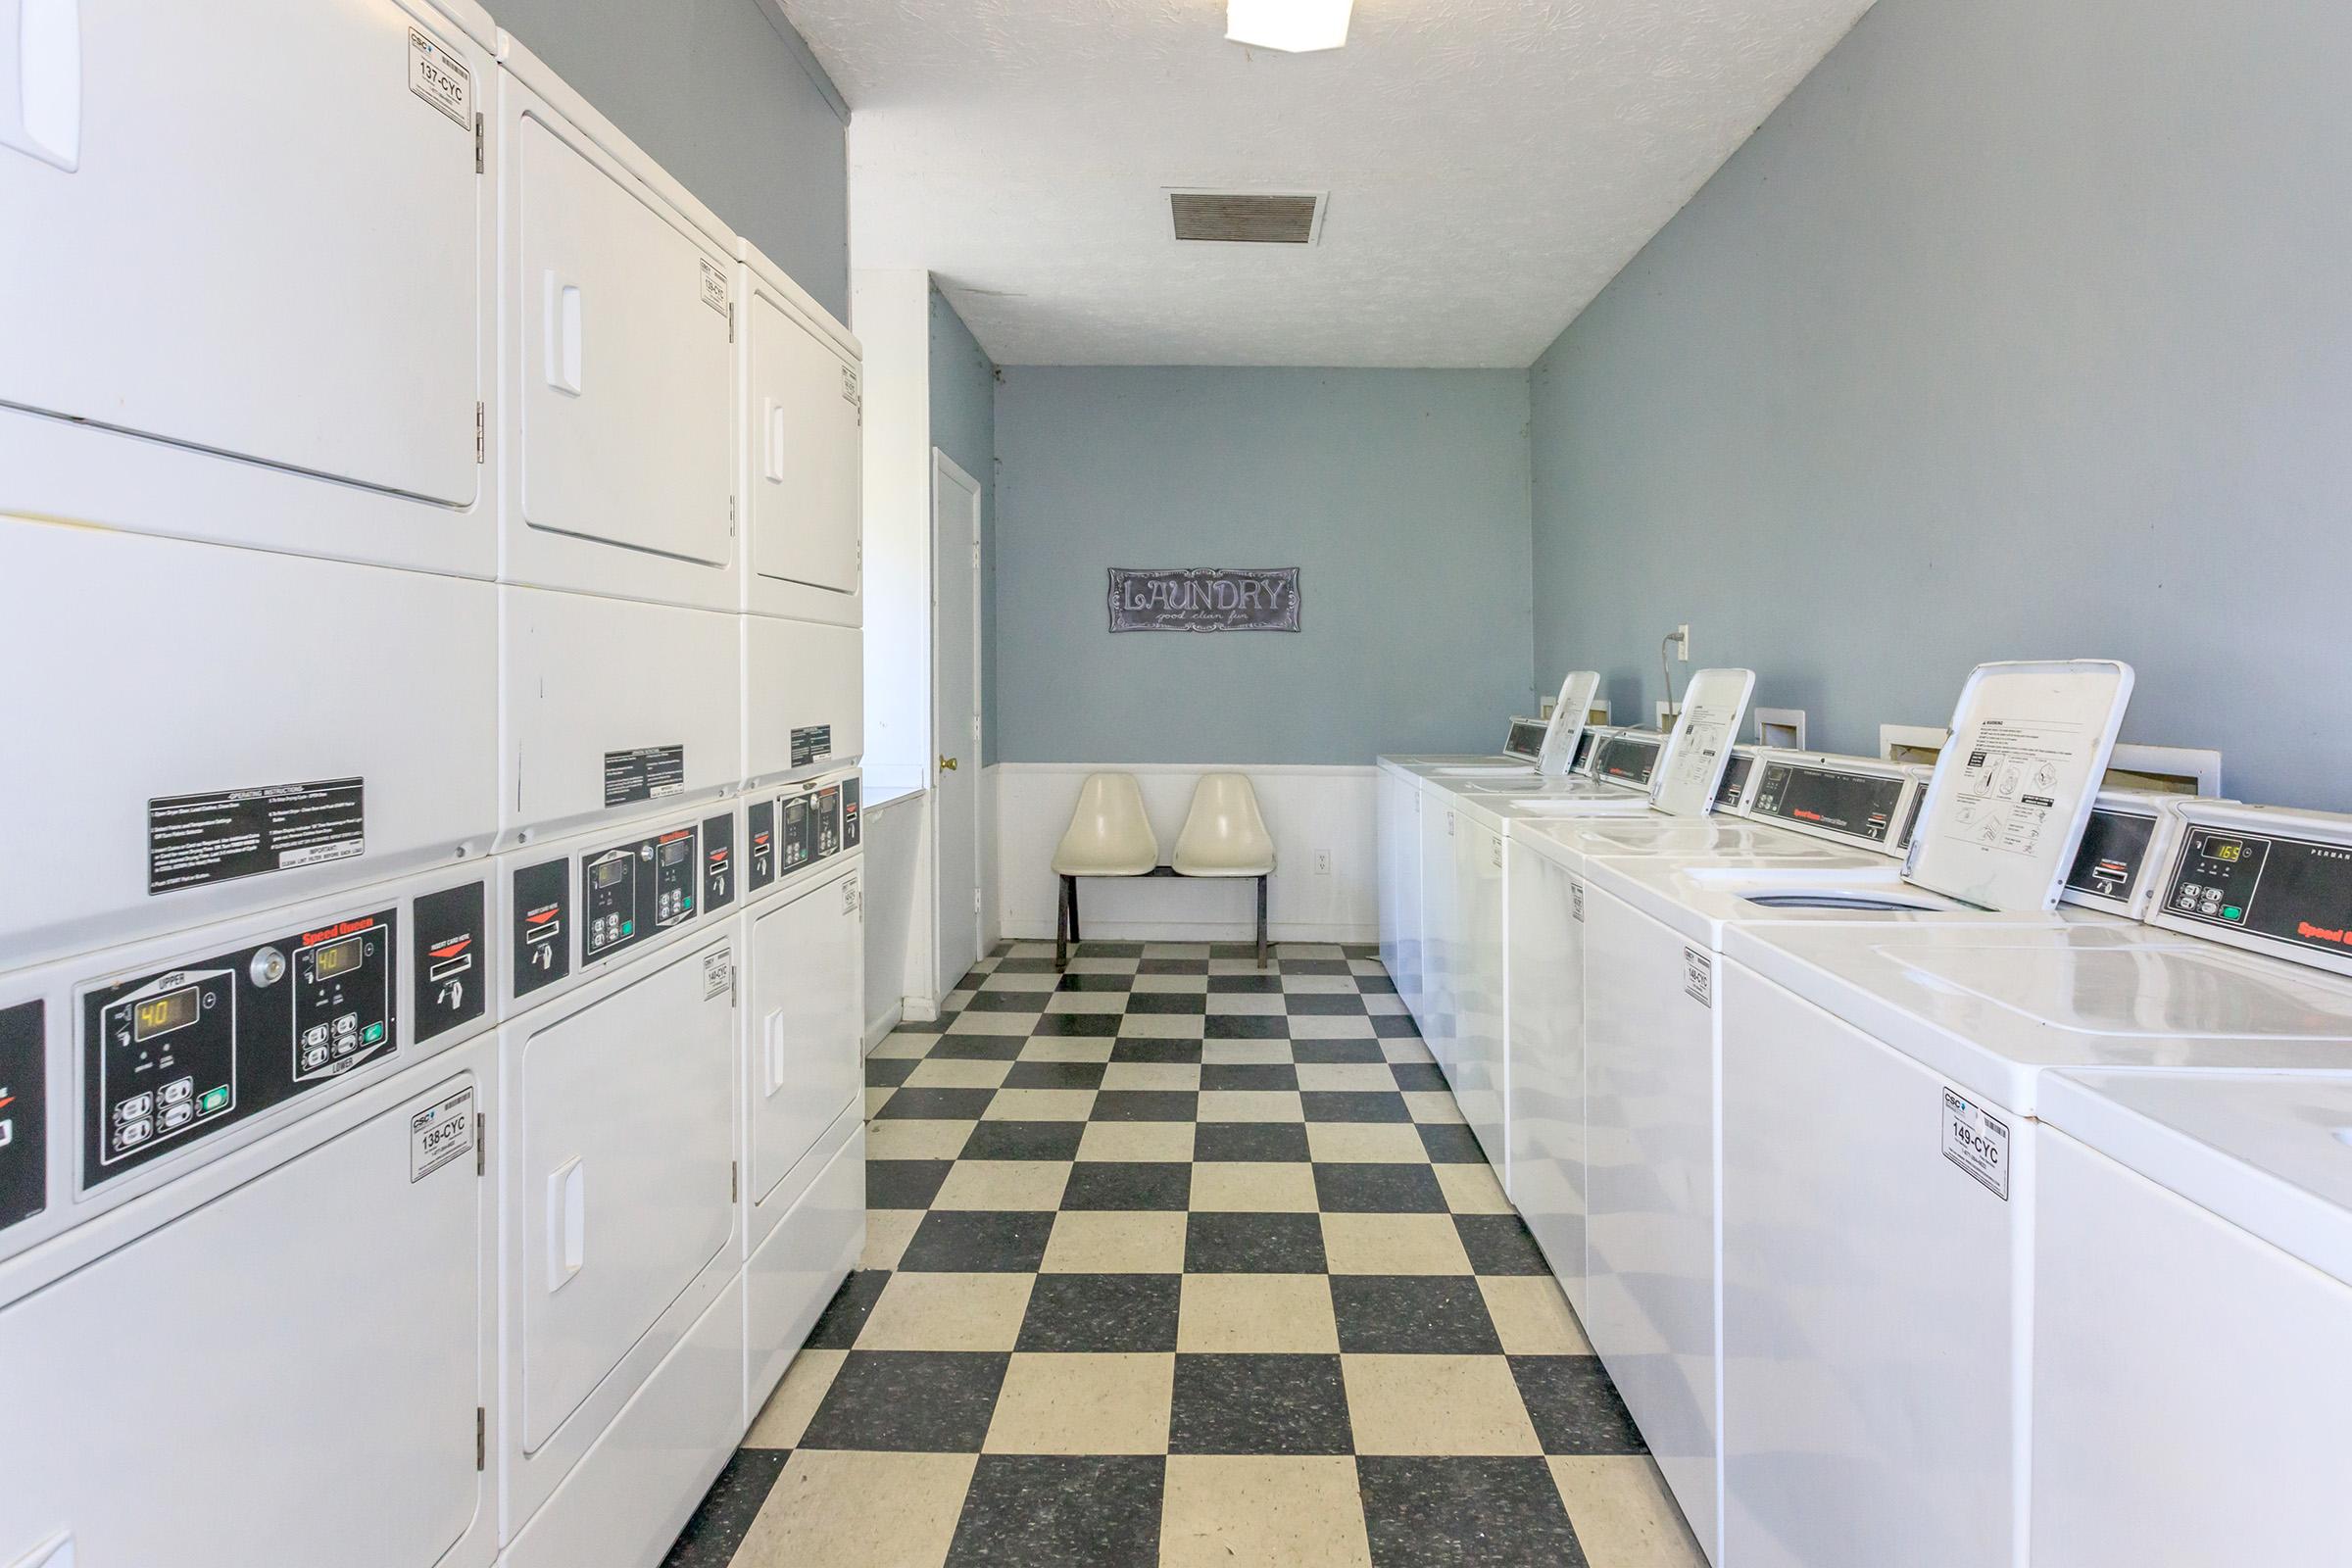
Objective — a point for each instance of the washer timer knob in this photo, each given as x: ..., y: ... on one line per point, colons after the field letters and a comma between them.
x: 269, y: 967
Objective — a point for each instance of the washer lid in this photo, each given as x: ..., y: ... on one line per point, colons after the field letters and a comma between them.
x: 2014, y: 789
x: 1568, y: 717
x: 1713, y: 705
x: 2269, y: 1153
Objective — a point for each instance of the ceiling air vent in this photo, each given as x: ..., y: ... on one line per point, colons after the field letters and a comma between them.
x: 1247, y: 217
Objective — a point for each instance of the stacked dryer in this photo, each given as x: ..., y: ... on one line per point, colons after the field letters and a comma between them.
x: 434, y: 599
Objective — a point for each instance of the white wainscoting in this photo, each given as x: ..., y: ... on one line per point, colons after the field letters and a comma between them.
x: 1307, y: 808
x: 897, y: 887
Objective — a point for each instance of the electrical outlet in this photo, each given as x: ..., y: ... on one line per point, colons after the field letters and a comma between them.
x: 1681, y: 642
x: 1322, y: 863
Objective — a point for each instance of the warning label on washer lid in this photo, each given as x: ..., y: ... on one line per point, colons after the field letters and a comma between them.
x: 2009, y: 791
x: 440, y: 78
x: 714, y: 288
x: 1698, y: 976
x: 812, y: 744
x: 1977, y: 1143
x: 646, y: 774
x: 194, y: 840
x: 440, y: 1134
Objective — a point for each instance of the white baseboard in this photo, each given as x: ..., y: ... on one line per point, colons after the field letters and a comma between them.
x: 879, y: 1029
x: 918, y: 1009
x: 1308, y: 810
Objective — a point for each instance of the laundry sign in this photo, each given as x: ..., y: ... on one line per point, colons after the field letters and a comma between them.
x: 1203, y: 598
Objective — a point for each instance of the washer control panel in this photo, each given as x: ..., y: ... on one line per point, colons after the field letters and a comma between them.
x: 1736, y: 774
x: 1625, y: 759
x: 2291, y: 890
x: 175, y: 1054
x: 1857, y: 805
x: 2112, y: 854
x: 630, y: 891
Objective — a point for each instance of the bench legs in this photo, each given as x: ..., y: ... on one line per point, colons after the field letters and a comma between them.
x: 1066, y: 931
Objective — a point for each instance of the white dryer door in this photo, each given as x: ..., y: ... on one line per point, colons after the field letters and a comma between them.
x: 627, y: 1116
x: 284, y: 1372
x: 804, y: 451
x: 807, y: 1000
x: 269, y: 244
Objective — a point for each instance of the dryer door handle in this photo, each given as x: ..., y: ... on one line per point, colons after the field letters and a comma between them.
x: 772, y: 1037
x: 566, y: 1223
x: 41, y: 109
x: 565, y: 330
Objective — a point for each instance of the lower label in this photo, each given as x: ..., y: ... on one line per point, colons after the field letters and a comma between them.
x: 1698, y: 976
x: 812, y: 743
x: 24, y: 1115
x: 718, y: 973
x: 1576, y: 900
x: 440, y: 1134
x: 1977, y: 1143
x: 646, y: 774
x: 193, y: 840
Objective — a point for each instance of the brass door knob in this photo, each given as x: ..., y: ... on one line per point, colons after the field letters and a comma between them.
x: 946, y: 764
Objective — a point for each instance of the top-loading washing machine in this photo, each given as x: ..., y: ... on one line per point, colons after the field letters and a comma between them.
x: 1469, y: 945
x: 1530, y: 744
x: 2192, y: 1296
x: 1883, y: 1091
x: 1994, y: 839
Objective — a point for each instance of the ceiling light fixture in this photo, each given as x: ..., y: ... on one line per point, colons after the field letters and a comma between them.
x: 1294, y: 27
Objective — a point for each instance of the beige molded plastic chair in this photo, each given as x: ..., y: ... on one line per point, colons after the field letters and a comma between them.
x: 1225, y: 836
x: 1109, y: 835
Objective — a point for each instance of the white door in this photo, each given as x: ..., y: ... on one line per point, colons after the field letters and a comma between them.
x: 301, y: 1358
x: 956, y: 716
x: 808, y: 1037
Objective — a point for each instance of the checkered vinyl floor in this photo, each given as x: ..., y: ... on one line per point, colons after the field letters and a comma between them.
x: 1176, y: 1262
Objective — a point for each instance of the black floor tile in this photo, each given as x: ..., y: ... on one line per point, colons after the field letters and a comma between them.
x: 1128, y: 1184
x: 1574, y: 1407
x: 923, y: 1402
x: 1465, y: 1513
x: 1417, y: 1075
x: 1145, y: 1105
x: 1050, y: 1512
x: 905, y: 1183
x: 1024, y: 966
x: 1134, y: 1049
x: 1245, y: 985
x: 1095, y: 982
x: 1499, y: 1243
x: 1171, y: 1001
x: 888, y: 1073
x: 1006, y: 1002
x: 1353, y: 1105
x: 1172, y: 966
x: 1076, y: 1027
x: 1024, y: 1140
x: 1263, y: 1142
x: 1314, y: 966
x: 1375, y: 985
x: 978, y: 1242
x: 1248, y: 1075
x: 936, y: 1104
x: 1055, y: 1075
x: 1259, y: 1404
x: 1244, y: 950
x: 1440, y: 1314
x: 1450, y: 1142
x: 1244, y: 1026
x: 978, y: 1047
x: 838, y: 1324
x: 1359, y: 949
x: 1325, y: 1052
x: 1253, y: 1243
x: 1371, y: 1188
x: 1315, y: 1005
x: 1394, y: 1026
x: 1101, y: 1312
x: 1108, y: 950
x: 727, y: 1510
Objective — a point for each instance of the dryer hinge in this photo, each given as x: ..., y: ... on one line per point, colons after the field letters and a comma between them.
x: 481, y: 1145
x: 481, y: 432
x: 735, y: 1181
x: 481, y: 1439
x: 478, y: 144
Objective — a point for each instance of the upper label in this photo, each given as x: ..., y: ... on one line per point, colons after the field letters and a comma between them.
x: 714, y: 289
x: 440, y: 78
x: 644, y: 774
x: 194, y: 840
x: 812, y: 743
x: 1977, y: 1143
x: 440, y: 1135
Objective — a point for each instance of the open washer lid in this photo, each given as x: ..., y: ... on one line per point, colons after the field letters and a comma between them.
x: 2014, y: 790
x: 1568, y: 718
x: 1697, y: 753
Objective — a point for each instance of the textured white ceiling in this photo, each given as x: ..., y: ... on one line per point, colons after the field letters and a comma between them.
x: 1492, y: 164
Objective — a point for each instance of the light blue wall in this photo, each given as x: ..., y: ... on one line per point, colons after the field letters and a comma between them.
x: 963, y: 425
x: 736, y: 112
x: 2021, y: 329
x: 1402, y: 496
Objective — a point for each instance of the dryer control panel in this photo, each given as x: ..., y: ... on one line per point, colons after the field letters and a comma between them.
x: 759, y: 826
x: 849, y: 813
x: 173, y: 1055
x: 718, y: 862
x: 631, y: 890
x: 23, y: 1112
x: 1858, y: 805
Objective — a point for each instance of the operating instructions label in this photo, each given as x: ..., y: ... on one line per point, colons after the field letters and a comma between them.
x: 1977, y: 1143
x: 194, y: 840
x: 812, y: 743
x: 645, y: 773
x: 2009, y: 792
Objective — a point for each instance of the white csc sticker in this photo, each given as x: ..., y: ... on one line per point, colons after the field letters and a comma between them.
x: 1698, y: 976
x: 1977, y: 1143
x: 440, y: 1134
x: 1576, y: 900
x: 718, y: 973
x: 715, y: 288
x: 441, y: 80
